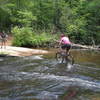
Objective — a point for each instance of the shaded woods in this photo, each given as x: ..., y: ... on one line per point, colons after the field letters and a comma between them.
x: 36, y: 23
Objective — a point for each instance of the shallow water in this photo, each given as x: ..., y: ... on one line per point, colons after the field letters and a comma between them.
x: 41, y: 77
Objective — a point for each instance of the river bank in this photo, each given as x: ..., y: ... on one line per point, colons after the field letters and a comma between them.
x: 20, y: 51
x: 11, y: 50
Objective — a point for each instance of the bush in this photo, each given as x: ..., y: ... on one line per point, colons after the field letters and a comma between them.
x: 43, y: 40
x: 27, y: 38
x: 22, y: 36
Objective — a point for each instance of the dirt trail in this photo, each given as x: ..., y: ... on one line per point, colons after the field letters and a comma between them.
x: 9, y: 41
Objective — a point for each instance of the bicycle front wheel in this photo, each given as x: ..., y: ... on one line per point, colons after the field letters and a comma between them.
x: 59, y: 57
x: 70, y: 59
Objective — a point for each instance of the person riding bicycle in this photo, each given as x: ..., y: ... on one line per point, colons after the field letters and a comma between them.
x: 65, y: 43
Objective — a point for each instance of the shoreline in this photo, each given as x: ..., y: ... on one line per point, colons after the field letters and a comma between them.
x: 11, y: 50
x: 20, y: 51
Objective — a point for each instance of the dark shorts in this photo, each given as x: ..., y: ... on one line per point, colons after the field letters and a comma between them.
x: 66, y: 46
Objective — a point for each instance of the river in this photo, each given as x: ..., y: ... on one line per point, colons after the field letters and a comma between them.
x: 41, y: 77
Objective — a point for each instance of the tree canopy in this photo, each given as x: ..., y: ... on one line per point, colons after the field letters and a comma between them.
x: 78, y: 18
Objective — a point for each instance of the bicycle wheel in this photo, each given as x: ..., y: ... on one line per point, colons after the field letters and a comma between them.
x: 70, y: 59
x: 59, y: 57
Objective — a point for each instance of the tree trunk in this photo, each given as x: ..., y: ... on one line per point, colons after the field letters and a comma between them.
x: 79, y: 46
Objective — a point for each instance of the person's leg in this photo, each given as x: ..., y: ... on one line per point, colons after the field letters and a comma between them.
x: 1, y: 43
x: 63, y: 49
x: 5, y: 43
x: 68, y: 46
x: 67, y: 51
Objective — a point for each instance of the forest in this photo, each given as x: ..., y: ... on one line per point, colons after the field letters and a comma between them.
x: 39, y: 22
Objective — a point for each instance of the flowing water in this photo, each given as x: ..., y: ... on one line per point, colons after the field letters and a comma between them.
x: 41, y: 77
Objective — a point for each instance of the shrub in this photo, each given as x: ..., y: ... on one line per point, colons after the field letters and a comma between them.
x: 22, y: 36
x: 27, y: 38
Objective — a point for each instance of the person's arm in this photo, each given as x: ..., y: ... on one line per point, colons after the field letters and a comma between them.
x: 60, y: 42
x: 57, y: 41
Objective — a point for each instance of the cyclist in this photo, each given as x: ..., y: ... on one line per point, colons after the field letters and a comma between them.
x: 65, y: 43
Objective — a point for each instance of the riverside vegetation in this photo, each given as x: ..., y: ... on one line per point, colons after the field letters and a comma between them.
x: 37, y: 23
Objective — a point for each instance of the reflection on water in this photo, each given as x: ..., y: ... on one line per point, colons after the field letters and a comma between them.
x: 41, y: 77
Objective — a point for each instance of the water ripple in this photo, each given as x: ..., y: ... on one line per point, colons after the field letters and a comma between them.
x: 19, y: 76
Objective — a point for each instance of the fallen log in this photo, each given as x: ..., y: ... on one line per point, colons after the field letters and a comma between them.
x: 79, y: 46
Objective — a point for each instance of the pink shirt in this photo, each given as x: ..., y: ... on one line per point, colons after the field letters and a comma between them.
x: 65, y: 40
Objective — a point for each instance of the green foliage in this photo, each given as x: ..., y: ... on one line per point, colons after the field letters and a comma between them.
x: 25, y: 18
x: 42, y: 40
x: 22, y: 36
x: 79, y: 18
x: 88, y: 16
x: 26, y: 37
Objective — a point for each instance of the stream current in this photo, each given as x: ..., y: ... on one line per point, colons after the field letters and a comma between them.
x: 41, y: 77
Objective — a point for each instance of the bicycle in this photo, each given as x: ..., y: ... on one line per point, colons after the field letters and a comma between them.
x: 61, y: 57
